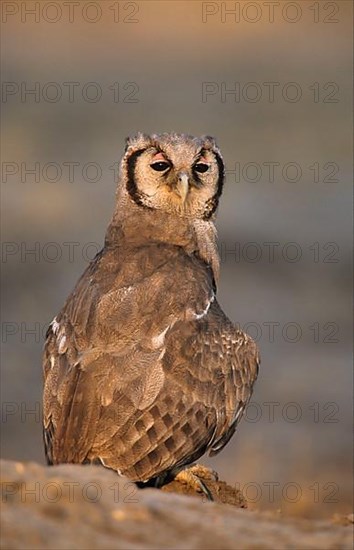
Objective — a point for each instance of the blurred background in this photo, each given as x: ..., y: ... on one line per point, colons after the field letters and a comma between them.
x: 272, y: 81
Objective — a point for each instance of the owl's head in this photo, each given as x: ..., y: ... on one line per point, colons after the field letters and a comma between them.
x: 174, y: 173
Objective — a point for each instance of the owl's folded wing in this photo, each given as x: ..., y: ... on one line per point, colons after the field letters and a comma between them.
x: 103, y: 356
x: 221, y: 365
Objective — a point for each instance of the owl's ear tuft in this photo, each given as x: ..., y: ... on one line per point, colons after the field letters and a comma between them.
x: 127, y: 143
x: 138, y: 141
x: 210, y: 142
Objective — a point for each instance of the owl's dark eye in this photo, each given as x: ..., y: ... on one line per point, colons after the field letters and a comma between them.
x: 201, y: 167
x: 160, y: 166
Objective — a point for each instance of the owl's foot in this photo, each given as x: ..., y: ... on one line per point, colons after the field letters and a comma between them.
x: 195, y: 476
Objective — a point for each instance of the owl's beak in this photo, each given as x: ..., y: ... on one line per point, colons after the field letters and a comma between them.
x: 182, y: 186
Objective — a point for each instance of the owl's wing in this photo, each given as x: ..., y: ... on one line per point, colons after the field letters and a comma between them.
x: 220, y: 367
x: 230, y: 351
x: 104, y: 355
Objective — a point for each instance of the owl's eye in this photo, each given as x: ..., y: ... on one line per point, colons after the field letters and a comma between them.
x: 160, y: 166
x: 201, y: 167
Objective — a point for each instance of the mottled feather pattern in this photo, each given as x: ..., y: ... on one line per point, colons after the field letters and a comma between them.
x: 143, y: 371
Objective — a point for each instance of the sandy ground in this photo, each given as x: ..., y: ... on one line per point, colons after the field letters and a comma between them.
x: 72, y: 506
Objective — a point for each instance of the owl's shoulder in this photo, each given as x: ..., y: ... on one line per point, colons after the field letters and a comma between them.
x: 144, y: 269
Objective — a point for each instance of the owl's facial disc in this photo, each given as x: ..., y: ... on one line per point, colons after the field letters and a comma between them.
x: 179, y: 175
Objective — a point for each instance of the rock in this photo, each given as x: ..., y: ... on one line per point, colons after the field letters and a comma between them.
x: 76, y: 507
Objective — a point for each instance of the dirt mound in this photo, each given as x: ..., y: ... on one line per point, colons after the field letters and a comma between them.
x: 72, y: 507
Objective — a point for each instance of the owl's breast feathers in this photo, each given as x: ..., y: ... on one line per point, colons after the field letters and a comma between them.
x: 143, y: 371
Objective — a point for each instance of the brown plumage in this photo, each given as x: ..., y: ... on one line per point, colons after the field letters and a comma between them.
x: 143, y: 371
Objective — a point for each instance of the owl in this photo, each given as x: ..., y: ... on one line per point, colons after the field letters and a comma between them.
x: 143, y: 371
